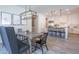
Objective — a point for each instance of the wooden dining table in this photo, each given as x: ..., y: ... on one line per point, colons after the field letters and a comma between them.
x: 31, y: 36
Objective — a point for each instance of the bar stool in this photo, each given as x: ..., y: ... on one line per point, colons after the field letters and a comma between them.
x: 62, y: 33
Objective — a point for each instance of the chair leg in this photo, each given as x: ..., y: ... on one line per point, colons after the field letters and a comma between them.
x: 35, y: 46
x: 42, y: 49
x: 46, y: 46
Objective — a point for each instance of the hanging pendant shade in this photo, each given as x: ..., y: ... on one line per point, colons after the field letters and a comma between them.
x: 28, y: 13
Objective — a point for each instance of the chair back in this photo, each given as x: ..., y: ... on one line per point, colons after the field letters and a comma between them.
x: 43, y: 38
x: 9, y: 39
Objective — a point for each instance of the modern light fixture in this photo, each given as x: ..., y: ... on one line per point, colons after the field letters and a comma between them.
x: 54, y: 13
x: 28, y: 13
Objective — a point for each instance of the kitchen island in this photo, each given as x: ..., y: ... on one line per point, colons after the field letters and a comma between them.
x: 61, y: 32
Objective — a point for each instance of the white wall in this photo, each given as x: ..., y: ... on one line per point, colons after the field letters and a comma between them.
x: 74, y: 23
x: 28, y: 25
x: 41, y: 23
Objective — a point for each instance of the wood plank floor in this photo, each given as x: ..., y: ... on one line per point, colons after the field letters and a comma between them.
x: 62, y: 46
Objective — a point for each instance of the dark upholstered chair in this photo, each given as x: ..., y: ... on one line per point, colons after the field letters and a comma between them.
x: 42, y: 42
x: 10, y: 41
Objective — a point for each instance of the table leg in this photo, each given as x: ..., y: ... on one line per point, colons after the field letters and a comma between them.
x: 30, y: 44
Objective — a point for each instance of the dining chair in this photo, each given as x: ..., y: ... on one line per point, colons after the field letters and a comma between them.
x: 42, y: 42
x: 10, y: 41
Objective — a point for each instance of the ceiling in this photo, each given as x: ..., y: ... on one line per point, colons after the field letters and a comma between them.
x: 17, y: 9
x: 46, y: 8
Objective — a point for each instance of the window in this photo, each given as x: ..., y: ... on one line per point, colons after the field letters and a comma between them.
x: 6, y: 19
x: 9, y: 19
x: 16, y: 19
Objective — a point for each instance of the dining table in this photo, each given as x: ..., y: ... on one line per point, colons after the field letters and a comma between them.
x: 31, y: 36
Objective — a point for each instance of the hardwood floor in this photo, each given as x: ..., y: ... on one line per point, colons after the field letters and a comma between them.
x: 62, y: 46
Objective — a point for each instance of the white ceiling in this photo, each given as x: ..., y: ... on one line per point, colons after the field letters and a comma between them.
x: 14, y: 9
x: 17, y: 9
x: 45, y: 8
